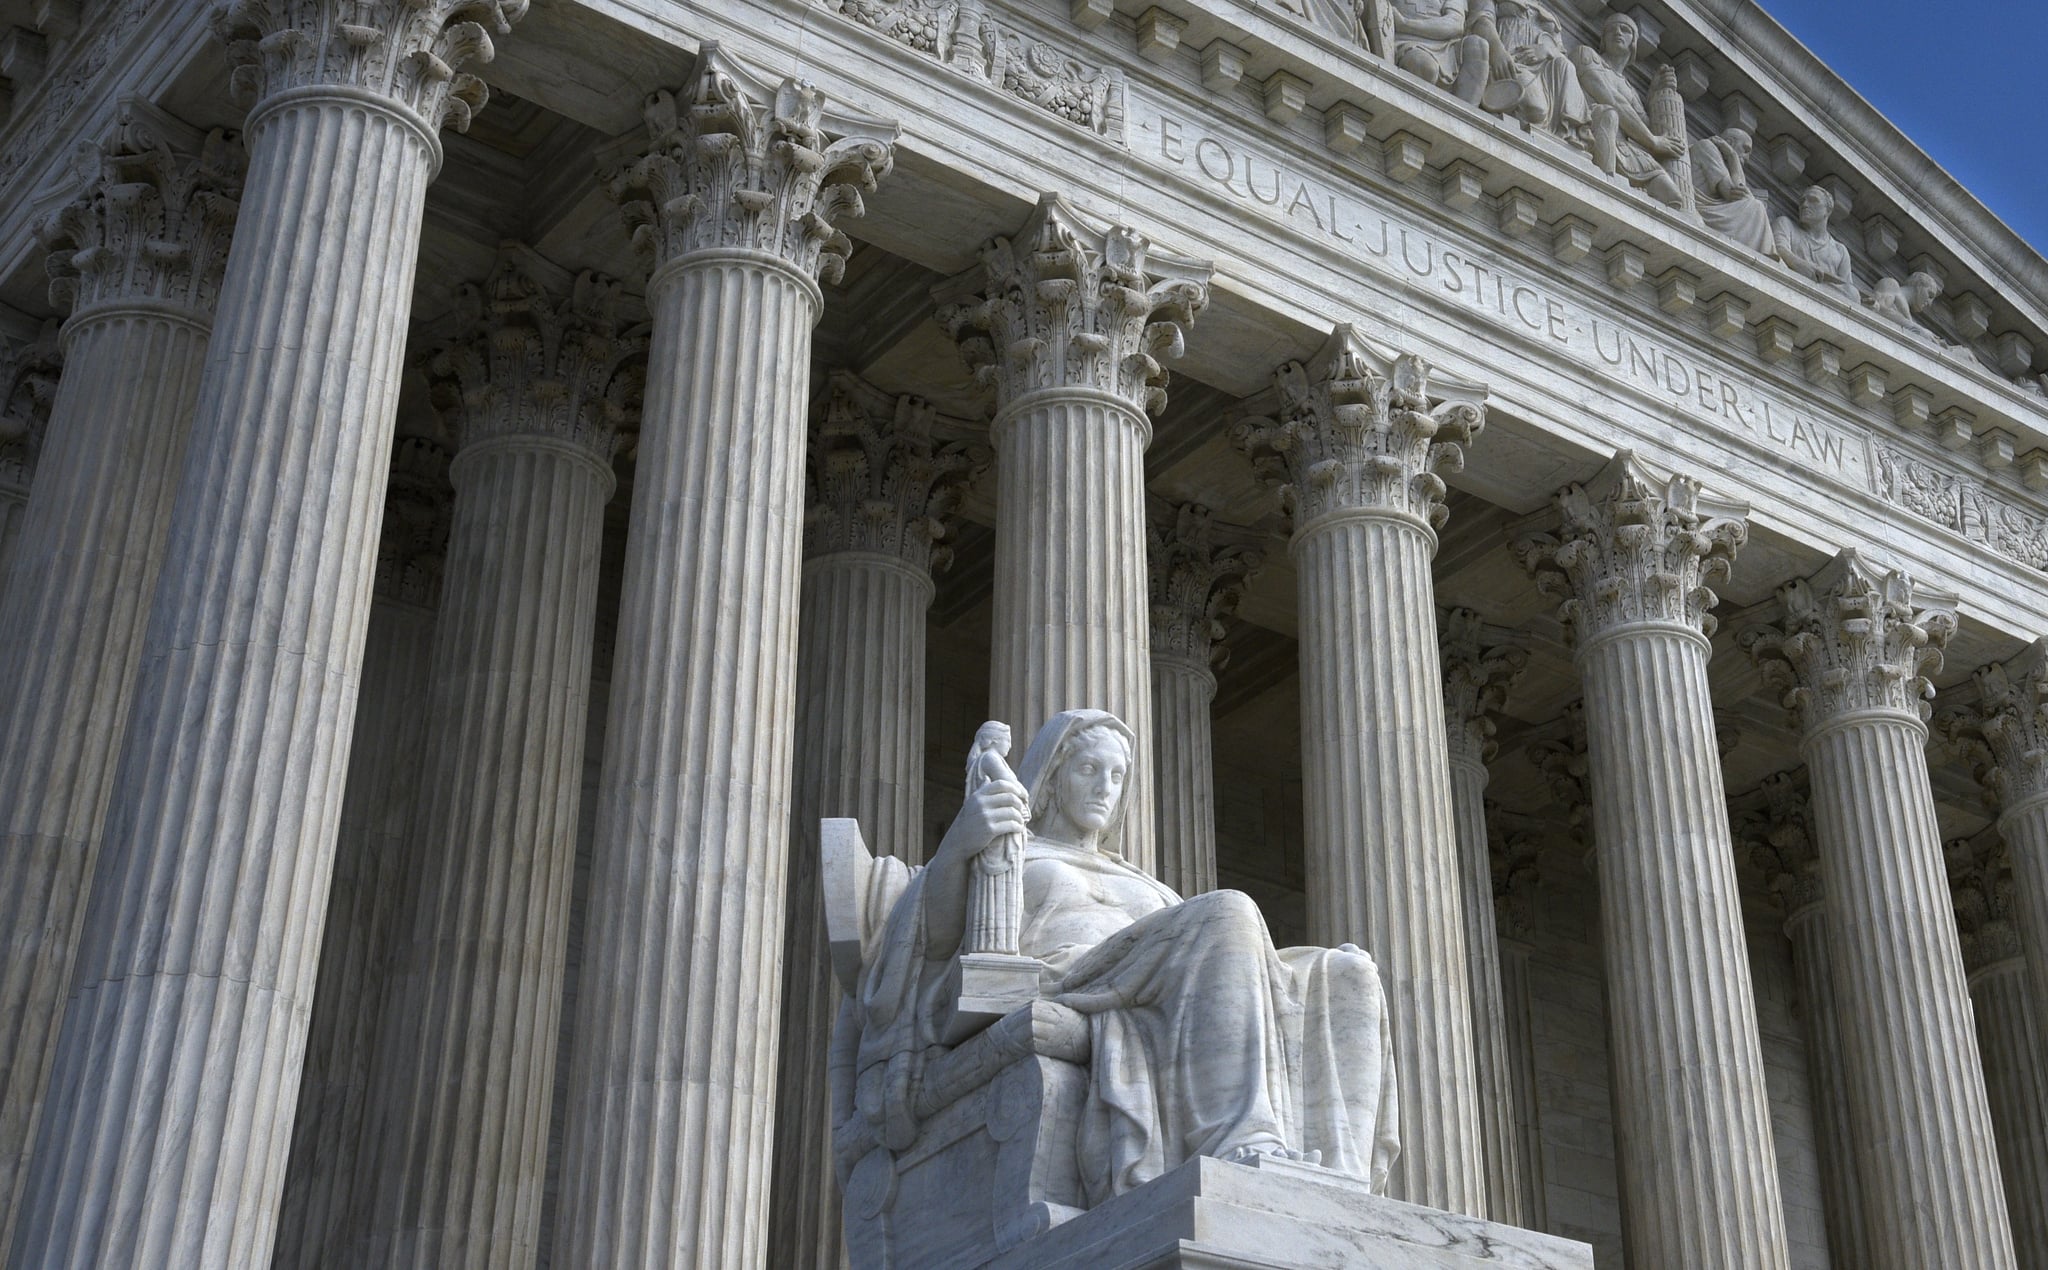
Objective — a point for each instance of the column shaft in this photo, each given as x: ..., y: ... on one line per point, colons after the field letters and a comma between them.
x: 1698, y: 1176
x: 2016, y: 1085
x: 377, y: 804
x: 1071, y: 624
x: 673, y: 1088
x: 1826, y: 1059
x: 1182, y: 695
x: 1925, y: 1152
x: 1380, y: 843
x: 71, y: 619
x: 2025, y: 830
x: 165, y: 1130
x: 1521, y: 1047
x: 859, y: 753
x: 1491, y: 1060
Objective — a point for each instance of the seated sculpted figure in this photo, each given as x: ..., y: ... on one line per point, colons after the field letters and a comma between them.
x: 1620, y: 136
x: 1204, y: 1039
x: 1902, y: 302
x: 1809, y: 249
x: 1546, y: 84
x: 1720, y: 180
x: 1433, y: 39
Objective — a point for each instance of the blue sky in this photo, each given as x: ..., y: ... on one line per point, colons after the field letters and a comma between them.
x: 1965, y: 79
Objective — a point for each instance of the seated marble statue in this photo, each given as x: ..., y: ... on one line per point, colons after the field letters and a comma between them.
x: 1809, y: 249
x: 1720, y: 179
x: 1620, y: 137
x: 1204, y: 1039
x: 1902, y: 302
x: 1433, y: 40
x: 1546, y: 92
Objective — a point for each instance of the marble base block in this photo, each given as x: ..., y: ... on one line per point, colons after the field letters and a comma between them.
x: 1277, y: 1215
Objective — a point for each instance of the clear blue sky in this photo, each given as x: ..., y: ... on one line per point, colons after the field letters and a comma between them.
x: 1967, y: 80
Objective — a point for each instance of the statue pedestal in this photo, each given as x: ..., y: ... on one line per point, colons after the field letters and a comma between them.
x: 1277, y: 1215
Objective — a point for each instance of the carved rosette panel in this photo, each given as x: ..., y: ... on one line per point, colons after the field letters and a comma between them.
x: 28, y: 379
x: 1477, y: 680
x: 734, y: 164
x: 1065, y: 305
x: 413, y: 52
x: 417, y: 506
x: 1634, y: 548
x: 2003, y: 735
x: 1777, y: 839
x: 1194, y: 583
x: 536, y: 352
x: 154, y: 219
x: 880, y: 481
x: 1980, y: 875
x: 1357, y: 429
x: 1853, y: 637
x: 1512, y: 856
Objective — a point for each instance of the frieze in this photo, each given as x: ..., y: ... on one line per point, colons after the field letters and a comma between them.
x: 962, y: 35
x: 1955, y: 502
x: 70, y: 81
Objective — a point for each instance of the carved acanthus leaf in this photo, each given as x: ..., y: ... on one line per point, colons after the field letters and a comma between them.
x: 1567, y: 770
x: 881, y: 481
x: 1777, y: 839
x: 535, y: 351
x: 1985, y: 896
x: 1855, y: 636
x: 1478, y: 674
x: 414, y: 52
x: 2003, y: 735
x: 28, y: 380
x: 1065, y: 304
x: 1195, y: 583
x: 1966, y: 506
x: 730, y: 162
x: 154, y: 217
x: 1633, y: 547
x: 1516, y: 876
x: 417, y: 509
x: 1359, y: 429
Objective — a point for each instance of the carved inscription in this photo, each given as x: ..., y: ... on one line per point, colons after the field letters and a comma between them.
x: 1417, y: 257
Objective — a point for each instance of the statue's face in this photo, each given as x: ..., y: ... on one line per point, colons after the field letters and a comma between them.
x: 1618, y: 37
x: 1814, y: 208
x: 1091, y: 783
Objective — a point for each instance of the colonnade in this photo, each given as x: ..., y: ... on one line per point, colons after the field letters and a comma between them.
x: 185, y: 817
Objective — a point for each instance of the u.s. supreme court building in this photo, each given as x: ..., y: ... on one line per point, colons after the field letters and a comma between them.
x: 1558, y: 490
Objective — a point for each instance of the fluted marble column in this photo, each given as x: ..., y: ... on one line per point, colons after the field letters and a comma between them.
x: 1477, y: 677
x: 2005, y: 734
x: 378, y: 798
x: 1070, y: 323
x: 1781, y: 847
x: 1852, y: 654
x: 137, y: 258
x: 1195, y: 584
x: 452, y: 1168
x: 28, y: 388
x: 1515, y: 882
x: 165, y: 1129
x: 1357, y: 441
x: 673, y: 1084
x: 2008, y: 1034
x: 1632, y: 561
x: 884, y: 484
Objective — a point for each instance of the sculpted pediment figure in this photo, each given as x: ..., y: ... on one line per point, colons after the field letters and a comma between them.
x: 1808, y: 246
x: 1146, y: 1029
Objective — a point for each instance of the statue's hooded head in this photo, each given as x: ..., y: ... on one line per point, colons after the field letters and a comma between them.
x: 1077, y: 774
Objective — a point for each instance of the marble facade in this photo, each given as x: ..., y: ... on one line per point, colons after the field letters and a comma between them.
x: 1558, y: 489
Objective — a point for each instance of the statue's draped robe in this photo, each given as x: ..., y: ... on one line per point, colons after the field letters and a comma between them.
x: 1204, y: 1037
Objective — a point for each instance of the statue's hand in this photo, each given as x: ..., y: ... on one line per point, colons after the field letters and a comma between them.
x: 1667, y: 147
x: 996, y: 810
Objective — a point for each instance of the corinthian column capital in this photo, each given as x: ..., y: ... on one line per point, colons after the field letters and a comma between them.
x: 881, y: 477
x: 1478, y: 674
x: 732, y: 163
x: 28, y: 386
x: 1358, y: 429
x: 416, y: 512
x: 2004, y: 733
x: 535, y: 351
x: 1854, y: 637
x: 1195, y: 583
x: 412, y: 53
x: 1512, y: 858
x: 1980, y: 876
x: 1567, y: 770
x: 1632, y: 547
x: 1065, y: 304
x: 1777, y: 837
x: 152, y: 219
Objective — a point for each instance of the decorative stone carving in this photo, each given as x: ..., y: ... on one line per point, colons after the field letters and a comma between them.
x: 962, y: 35
x: 411, y: 52
x: 416, y: 519
x: 1517, y: 875
x: 1903, y: 302
x: 154, y: 220
x: 1133, y: 972
x: 1642, y: 142
x: 28, y: 380
x: 1780, y: 844
x: 2004, y: 733
x: 1358, y: 429
x: 1956, y: 502
x: 1809, y: 249
x: 1542, y: 86
x: 735, y: 164
x: 1721, y: 192
x: 535, y: 351
x: 1064, y: 304
x: 81, y: 61
x: 1477, y: 679
x: 1856, y: 636
x: 1433, y: 40
x: 1195, y: 584
x: 1635, y: 548
x: 881, y: 480
x: 1980, y: 872
x: 1562, y: 761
